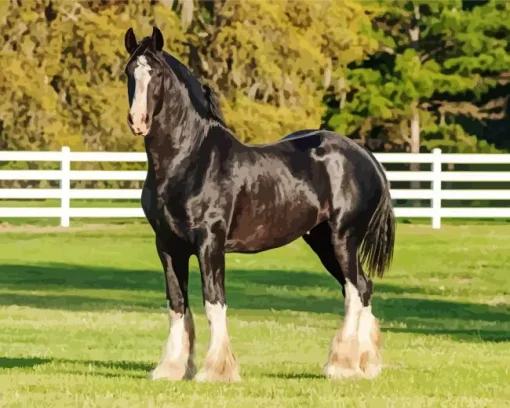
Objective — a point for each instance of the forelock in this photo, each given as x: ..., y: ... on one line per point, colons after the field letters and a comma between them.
x: 143, y: 62
x: 144, y: 45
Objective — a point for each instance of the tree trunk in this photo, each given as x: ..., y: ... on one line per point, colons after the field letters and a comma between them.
x: 415, y: 148
x: 415, y: 131
x: 414, y: 33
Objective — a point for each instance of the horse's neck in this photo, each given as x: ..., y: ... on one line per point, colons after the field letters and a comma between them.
x: 170, y: 150
x: 179, y: 140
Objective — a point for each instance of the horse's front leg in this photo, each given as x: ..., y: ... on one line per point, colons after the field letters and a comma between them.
x: 177, y: 358
x: 220, y: 364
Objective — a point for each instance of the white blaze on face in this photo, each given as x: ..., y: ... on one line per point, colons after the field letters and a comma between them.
x: 138, y: 109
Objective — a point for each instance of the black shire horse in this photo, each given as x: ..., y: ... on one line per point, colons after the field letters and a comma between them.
x: 208, y: 194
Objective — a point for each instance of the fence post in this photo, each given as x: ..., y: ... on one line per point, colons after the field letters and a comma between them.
x: 436, y: 188
x: 65, y: 186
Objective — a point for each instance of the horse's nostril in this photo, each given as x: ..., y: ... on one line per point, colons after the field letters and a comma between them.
x: 130, y: 119
x: 145, y: 119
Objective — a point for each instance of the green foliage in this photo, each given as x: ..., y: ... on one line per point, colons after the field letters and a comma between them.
x: 271, y: 60
x: 278, y: 66
x: 435, y: 60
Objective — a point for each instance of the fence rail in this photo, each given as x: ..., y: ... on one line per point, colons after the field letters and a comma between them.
x: 436, y: 176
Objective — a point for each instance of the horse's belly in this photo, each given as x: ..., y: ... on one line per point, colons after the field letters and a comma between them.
x: 268, y: 230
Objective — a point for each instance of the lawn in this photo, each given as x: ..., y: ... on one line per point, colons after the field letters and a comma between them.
x: 82, y: 322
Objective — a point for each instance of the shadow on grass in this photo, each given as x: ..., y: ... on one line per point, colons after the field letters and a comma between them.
x: 297, y: 376
x: 494, y: 336
x: 99, y: 368
x: 57, y: 276
x: 117, y: 369
x: 255, y: 290
x: 21, y: 362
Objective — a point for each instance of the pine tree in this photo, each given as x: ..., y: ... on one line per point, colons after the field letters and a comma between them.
x: 432, y: 59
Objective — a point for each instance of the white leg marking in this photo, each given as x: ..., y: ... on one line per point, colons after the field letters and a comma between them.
x: 353, y: 308
x: 365, y: 325
x: 217, y: 316
x: 220, y: 364
x: 369, y: 339
x: 177, y: 358
x: 343, y: 359
x: 174, y: 345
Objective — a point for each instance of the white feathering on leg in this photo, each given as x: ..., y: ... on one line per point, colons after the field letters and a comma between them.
x: 220, y: 364
x: 368, y: 337
x: 343, y: 359
x: 177, y: 357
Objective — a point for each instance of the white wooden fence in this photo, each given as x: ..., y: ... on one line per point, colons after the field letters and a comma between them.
x: 65, y: 193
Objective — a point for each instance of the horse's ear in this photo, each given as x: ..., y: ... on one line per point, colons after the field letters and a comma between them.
x: 130, y: 41
x: 157, y: 39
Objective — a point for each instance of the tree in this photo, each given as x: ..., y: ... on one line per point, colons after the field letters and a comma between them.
x: 272, y: 62
x: 402, y: 72
x: 431, y: 55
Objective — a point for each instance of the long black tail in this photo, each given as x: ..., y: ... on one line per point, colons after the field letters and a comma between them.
x: 376, y: 250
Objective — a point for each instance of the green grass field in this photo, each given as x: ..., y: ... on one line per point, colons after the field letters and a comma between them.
x: 82, y: 322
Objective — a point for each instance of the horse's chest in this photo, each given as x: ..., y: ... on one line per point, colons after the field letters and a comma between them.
x: 164, y: 218
x: 147, y: 201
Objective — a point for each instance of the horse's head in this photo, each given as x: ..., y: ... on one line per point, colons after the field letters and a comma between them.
x: 159, y: 82
x: 146, y: 76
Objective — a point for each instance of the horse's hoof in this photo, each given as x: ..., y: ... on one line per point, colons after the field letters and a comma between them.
x: 230, y: 376
x: 371, y: 371
x: 171, y: 372
x: 336, y: 372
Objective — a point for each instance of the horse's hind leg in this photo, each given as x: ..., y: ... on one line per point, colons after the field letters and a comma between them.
x: 319, y: 240
x: 343, y: 357
x: 355, y: 348
x: 369, y: 334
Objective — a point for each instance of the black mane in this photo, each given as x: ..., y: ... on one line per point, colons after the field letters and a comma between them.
x: 201, y: 95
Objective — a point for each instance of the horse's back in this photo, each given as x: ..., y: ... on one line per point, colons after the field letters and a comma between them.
x: 339, y: 155
x: 354, y: 175
x: 301, y: 133
x: 325, y: 145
